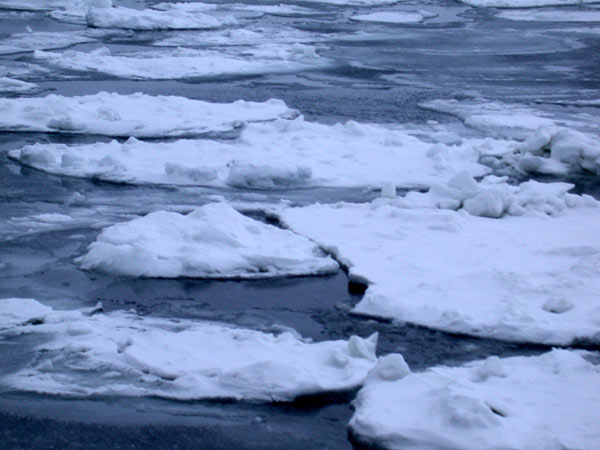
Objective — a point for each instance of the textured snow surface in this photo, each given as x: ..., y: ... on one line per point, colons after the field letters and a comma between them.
x: 40, y: 40
x: 120, y: 353
x: 148, y: 19
x: 12, y: 86
x: 213, y: 241
x: 557, y: 15
x: 549, y: 401
x: 188, y: 63
x: 532, y: 277
x: 278, y: 154
x: 127, y: 115
x: 391, y: 17
x: 524, y: 3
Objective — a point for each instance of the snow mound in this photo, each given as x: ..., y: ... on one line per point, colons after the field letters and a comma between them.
x: 524, y: 3
x: 41, y: 40
x: 188, y: 63
x: 213, y: 241
x: 127, y: 115
x: 493, y: 197
x: 393, y: 17
x: 527, y: 278
x: 557, y: 15
x: 149, y: 19
x: 16, y: 312
x: 12, y: 86
x: 277, y: 154
x: 120, y: 353
x: 553, y: 150
x: 522, y: 402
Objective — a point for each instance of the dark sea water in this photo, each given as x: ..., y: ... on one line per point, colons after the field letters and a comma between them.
x: 380, y: 73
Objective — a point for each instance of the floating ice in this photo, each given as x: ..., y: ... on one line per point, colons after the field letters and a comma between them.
x: 462, y: 273
x: 393, y: 17
x: 49, y: 5
x: 279, y: 154
x: 40, y: 40
x: 521, y: 402
x: 12, y: 86
x: 148, y: 19
x: 558, y: 15
x: 524, y: 3
x: 127, y: 115
x: 214, y: 241
x: 198, y: 7
x: 188, y: 63
x: 90, y: 353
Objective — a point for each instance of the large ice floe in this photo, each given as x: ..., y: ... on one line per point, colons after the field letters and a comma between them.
x: 149, y: 19
x: 532, y: 275
x: 91, y: 353
x: 279, y: 154
x: 12, y: 86
x: 41, y: 40
x: 549, y: 401
x: 556, y: 15
x: 188, y: 63
x: 213, y: 241
x: 136, y: 115
x: 398, y: 17
x: 525, y: 3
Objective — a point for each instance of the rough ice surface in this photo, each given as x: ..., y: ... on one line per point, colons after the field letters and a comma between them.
x: 148, y: 19
x: 188, y: 63
x: 127, y: 115
x: 557, y: 15
x: 391, y: 17
x: 91, y: 353
x: 453, y: 271
x: 278, y: 154
x: 524, y: 3
x: 213, y: 241
x: 12, y: 86
x: 41, y: 40
x: 518, y: 402
x: 557, y: 151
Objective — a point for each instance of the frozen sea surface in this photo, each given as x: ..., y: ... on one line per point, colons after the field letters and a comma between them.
x: 395, y: 99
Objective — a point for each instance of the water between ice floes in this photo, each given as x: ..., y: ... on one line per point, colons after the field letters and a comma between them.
x: 379, y: 74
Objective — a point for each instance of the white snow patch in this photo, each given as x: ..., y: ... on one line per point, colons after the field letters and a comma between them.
x: 189, y: 63
x: 127, y: 115
x: 453, y: 271
x: 521, y: 402
x: 121, y: 353
x: 392, y: 17
x: 213, y: 241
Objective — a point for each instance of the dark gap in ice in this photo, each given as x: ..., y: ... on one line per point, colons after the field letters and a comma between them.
x: 497, y: 411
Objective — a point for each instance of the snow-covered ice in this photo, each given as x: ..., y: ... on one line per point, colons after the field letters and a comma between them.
x: 41, y: 40
x: 127, y: 115
x: 398, y: 17
x: 524, y: 3
x: 459, y: 272
x: 557, y: 15
x: 149, y: 19
x: 49, y: 5
x: 90, y: 353
x: 188, y: 63
x: 549, y: 401
x: 275, y: 9
x: 12, y: 86
x: 278, y: 154
x: 213, y: 241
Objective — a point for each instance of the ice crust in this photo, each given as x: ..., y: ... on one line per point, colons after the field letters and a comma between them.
x: 525, y: 3
x: 188, y: 63
x: 90, y: 353
x: 127, y: 115
x: 213, y: 241
x: 462, y: 273
x: 279, y: 154
x: 548, y: 401
x: 149, y: 19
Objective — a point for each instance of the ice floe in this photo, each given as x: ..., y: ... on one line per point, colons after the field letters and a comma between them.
x: 271, y: 155
x: 12, y: 86
x: 128, y: 115
x: 557, y: 15
x: 41, y: 40
x: 459, y: 272
x: 49, y: 5
x: 393, y: 17
x: 517, y: 402
x: 188, y: 63
x: 524, y: 3
x: 213, y: 241
x: 275, y: 9
x: 149, y: 19
x: 120, y: 353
